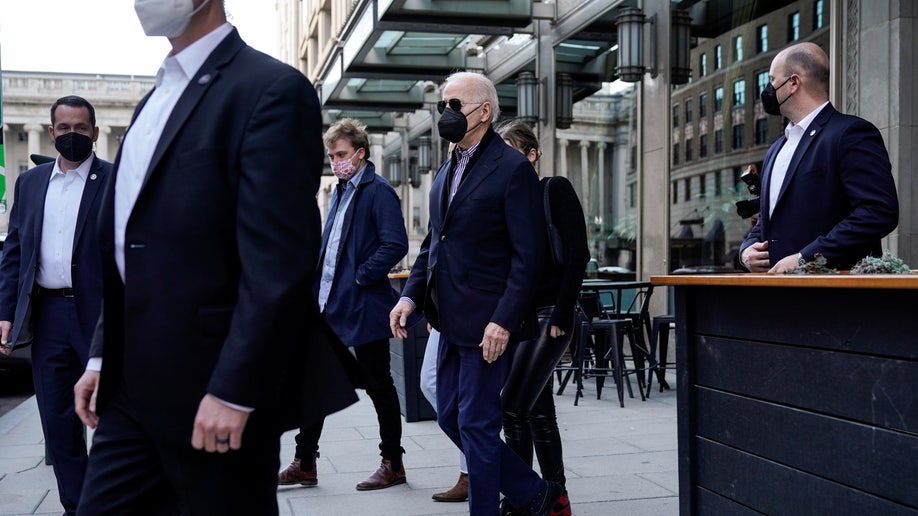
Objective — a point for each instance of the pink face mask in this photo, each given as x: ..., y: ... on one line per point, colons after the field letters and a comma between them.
x: 345, y: 168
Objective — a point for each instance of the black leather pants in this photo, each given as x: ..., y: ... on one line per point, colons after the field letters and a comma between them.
x: 529, y: 408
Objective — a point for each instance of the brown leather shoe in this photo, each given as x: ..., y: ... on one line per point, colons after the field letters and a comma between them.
x: 294, y: 474
x: 384, y: 477
x: 457, y: 493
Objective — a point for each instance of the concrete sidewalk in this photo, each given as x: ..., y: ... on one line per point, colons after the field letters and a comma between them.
x: 618, y: 461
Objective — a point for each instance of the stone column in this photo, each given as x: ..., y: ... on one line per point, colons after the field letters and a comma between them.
x: 561, y: 169
x: 588, y: 203
x: 601, y: 187
x: 102, y: 143
x: 34, y: 131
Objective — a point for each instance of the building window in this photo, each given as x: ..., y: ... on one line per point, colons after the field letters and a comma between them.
x: 676, y: 115
x: 793, y: 27
x: 688, y: 110
x: 676, y: 153
x: 761, y: 131
x: 761, y: 43
x: 687, y: 191
x: 675, y: 192
x: 818, y: 14
x: 702, y: 65
x: 718, y: 99
x: 702, y: 186
x: 718, y: 58
x: 718, y: 141
x: 739, y: 92
x: 718, y: 185
x: 738, y: 183
x: 688, y: 150
x: 703, y: 146
x: 761, y: 80
x: 738, y: 136
x: 738, y: 49
x: 702, y: 105
x: 631, y: 195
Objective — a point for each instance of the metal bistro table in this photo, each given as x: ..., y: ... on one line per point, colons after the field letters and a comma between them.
x: 604, y: 300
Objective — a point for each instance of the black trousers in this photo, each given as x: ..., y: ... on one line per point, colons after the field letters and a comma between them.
x: 529, y: 408
x: 134, y: 472
x: 374, y: 360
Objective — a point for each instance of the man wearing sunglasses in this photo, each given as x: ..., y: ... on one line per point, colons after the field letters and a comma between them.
x: 474, y: 279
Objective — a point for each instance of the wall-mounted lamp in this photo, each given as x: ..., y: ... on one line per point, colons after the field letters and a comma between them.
x: 424, y: 154
x: 414, y: 173
x: 527, y: 98
x: 630, y: 23
x: 564, y: 107
x: 394, y: 169
x: 681, y: 70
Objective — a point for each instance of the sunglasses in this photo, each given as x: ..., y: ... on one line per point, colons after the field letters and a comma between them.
x: 454, y: 104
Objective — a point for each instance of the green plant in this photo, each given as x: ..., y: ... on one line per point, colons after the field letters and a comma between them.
x: 887, y: 264
x: 817, y: 266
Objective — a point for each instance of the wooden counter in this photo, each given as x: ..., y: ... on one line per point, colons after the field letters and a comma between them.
x: 797, y: 394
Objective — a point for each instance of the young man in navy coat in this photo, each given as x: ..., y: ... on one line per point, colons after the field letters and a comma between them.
x: 473, y: 279
x: 51, y: 281
x: 209, y: 232
x: 363, y: 239
x: 827, y: 186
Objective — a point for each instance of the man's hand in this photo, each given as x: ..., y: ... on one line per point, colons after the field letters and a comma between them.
x: 217, y: 426
x: 398, y: 318
x: 555, y: 331
x: 494, y: 342
x: 755, y: 257
x: 84, y: 397
x: 5, y: 347
x: 788, y: 263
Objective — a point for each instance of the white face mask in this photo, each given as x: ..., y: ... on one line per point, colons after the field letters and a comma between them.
x: 167, y: 18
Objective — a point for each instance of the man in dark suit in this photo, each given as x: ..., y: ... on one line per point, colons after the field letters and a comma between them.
x: 827, y: 186
x: 51, y: 281
x: 363, y: 239
x: 209, y: 232
x: 473, y: 279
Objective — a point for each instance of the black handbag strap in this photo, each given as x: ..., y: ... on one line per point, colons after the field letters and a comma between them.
x: 546, y: 203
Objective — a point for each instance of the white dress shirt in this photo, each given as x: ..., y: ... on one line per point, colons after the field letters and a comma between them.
x: 794, y: 133
x: 62, y: 204
x: 137, y: 150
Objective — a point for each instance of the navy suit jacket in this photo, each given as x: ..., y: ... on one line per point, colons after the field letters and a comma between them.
x: 23, y: 244
x: 220, y: 253
x: 483, y: 251
x: 373, y: 241
x: 838, y: 198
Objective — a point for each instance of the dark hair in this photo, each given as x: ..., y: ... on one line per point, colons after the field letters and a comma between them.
x: 520, y: 136
x: 77, y: 102
x: 351, y: 130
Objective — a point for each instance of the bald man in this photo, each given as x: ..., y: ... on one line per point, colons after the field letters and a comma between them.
x: 827, y: 186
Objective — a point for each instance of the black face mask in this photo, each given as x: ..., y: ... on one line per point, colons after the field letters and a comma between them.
x: 73, y: 146
x: 453, y: 125
x: 769, y: 98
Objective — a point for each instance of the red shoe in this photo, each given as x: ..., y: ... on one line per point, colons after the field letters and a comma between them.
x: 562, y: 506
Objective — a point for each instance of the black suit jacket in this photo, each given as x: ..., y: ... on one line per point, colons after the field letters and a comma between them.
x: 23, y: 243
x: 483, y: 250
x: 838, y: 198
x: 220, y: 251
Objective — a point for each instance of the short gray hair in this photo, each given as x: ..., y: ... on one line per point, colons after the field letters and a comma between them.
x: 482, y: 86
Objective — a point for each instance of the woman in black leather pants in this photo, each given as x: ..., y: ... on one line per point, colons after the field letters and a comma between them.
x: 529, y: 407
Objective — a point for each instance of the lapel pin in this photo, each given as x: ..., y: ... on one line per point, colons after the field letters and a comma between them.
x: 204, y: 79
x: 812, y: 132
x: 93, y: 177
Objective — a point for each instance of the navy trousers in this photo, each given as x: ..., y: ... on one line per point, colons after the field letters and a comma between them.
x: 469, y: 412
x: 59, y: 355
